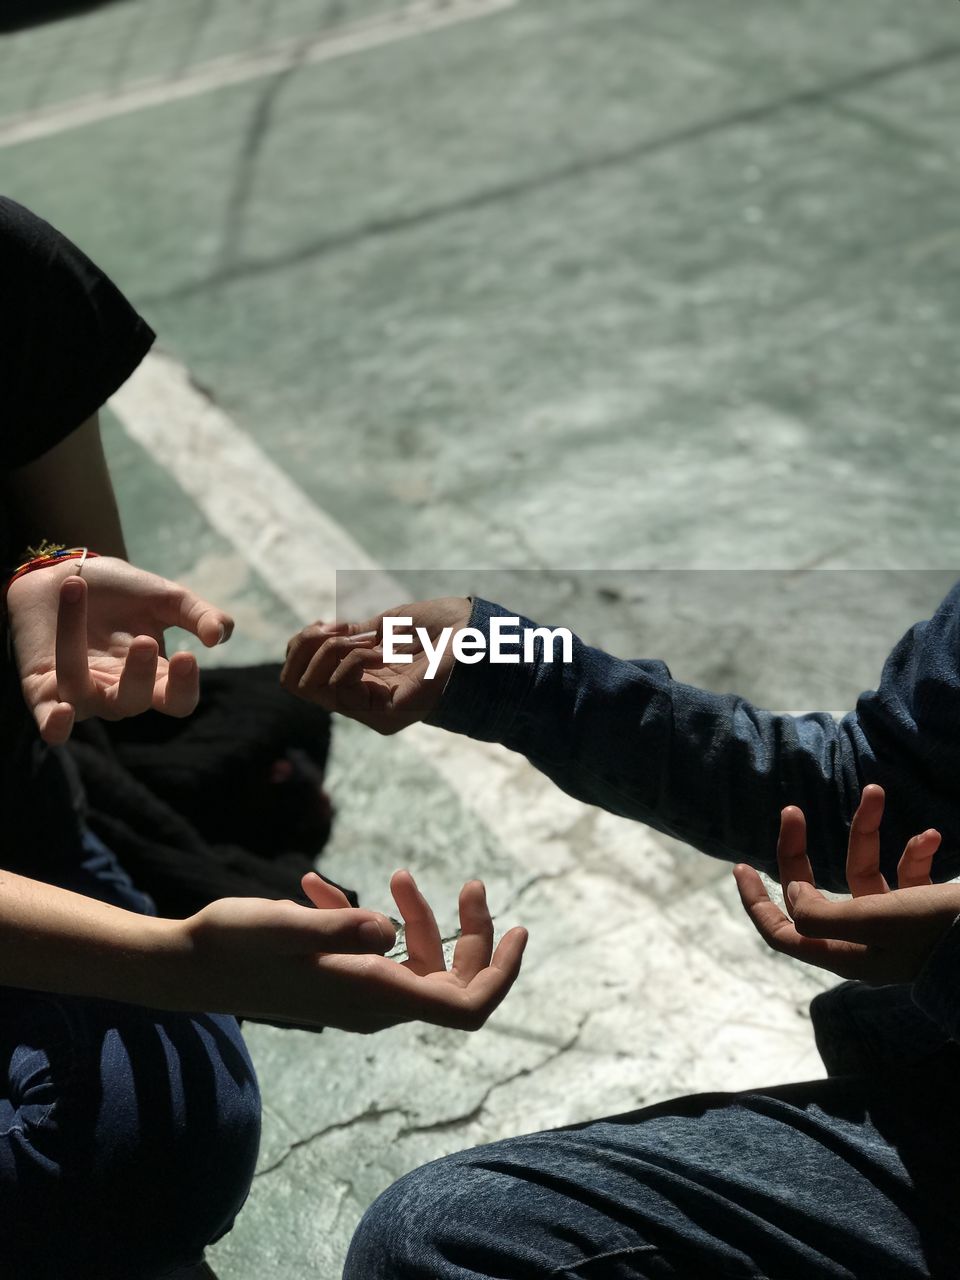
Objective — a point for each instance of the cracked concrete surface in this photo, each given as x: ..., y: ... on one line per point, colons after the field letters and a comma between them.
x: 630, y: 993
x: 597, y: 289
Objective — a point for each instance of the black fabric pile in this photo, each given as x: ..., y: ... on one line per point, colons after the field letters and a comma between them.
x: 226, y: 803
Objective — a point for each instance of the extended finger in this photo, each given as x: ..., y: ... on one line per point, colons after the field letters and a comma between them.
x: 914, y: 866
x: 74, y: 683
x: 178, y: 692
x: 792, y: 860
x: 323, y: 894
x: 468, y: 1008
x: 55, y: 721
x: 475, y: 944
x: 133, y: 692
x: 863, y: 850
x: 424, y: 946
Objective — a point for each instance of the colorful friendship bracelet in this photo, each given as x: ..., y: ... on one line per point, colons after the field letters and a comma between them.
x: 47, y: 554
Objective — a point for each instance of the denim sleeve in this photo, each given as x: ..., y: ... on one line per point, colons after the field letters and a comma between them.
x: 714, y: 770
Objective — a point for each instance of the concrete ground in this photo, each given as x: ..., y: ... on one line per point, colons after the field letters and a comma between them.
x: 639, y: 317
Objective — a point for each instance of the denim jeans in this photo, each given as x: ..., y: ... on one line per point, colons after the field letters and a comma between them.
x: 128, y: 1136
x: 849, y: 1178
x: 856, y: 1177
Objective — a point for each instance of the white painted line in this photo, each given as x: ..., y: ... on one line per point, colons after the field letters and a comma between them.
x: 294, y: 546
x: 297, y: 549
x: 417, y: 19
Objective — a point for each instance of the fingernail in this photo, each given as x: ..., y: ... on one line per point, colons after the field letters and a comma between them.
x: 223, y: 634
x: 72, y: 590
x: 793, y: 892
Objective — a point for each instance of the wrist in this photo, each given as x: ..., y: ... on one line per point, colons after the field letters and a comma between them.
x: 53, y: 939
x: 482, y: 700
x: 155, y: 965
x: 132, y: 958
x: 47, y: 556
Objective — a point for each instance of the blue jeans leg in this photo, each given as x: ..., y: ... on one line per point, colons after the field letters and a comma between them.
x: 833, y: 1180
x: 128, y: 1136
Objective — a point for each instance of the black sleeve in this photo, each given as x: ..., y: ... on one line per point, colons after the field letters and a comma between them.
x: 68, y: 337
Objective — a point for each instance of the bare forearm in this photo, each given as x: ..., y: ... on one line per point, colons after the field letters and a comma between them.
x: 58, y: 941
x: 67, y: 496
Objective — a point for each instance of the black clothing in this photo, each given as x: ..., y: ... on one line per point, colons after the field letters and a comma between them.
x: 228, y: 802
x: 68, y: 340
x: 68, y: 337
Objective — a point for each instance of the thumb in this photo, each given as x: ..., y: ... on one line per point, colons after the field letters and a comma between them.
x: 815, y: 916
x: 181, y: 607
x: 348, y: 930
x: 802, y: 894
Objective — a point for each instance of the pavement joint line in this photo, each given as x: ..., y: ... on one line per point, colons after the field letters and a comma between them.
x: 422, y: 17
x: 247, y: 498
x: 824, y: 96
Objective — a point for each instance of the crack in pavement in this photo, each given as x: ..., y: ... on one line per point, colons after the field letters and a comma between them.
x: 469, y: 1117
x: 373, y: 1112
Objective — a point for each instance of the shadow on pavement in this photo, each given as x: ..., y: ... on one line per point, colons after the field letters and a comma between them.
x: 15, y: 14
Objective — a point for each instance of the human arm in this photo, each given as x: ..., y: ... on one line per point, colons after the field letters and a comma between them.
x: 706, y: 768
x: 103, y: 655
x: 314, y: 966
x: 711, y: 769
x: 66, y: 495
x: 69, y: 340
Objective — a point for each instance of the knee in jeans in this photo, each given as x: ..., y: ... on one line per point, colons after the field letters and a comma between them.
x: 398, y: 1235
x: 138, y: 1136
x: 200, y: 1150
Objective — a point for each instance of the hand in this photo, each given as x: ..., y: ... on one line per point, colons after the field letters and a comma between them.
x: 881, y: 935
x: 340, y: 666
x: 278, y: 960
x: 92, y: 645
